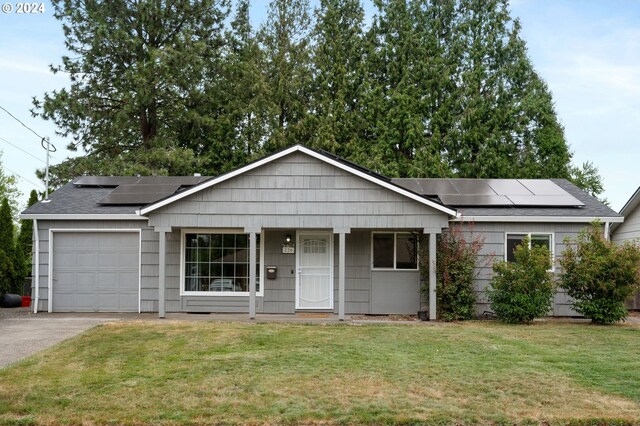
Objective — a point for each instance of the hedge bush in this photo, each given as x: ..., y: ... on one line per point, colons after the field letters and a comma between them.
x: 599, y: 275
x: 455, y: 272
x: 522, y: 290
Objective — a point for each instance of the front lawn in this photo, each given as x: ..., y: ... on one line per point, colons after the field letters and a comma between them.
x: 224, y: 373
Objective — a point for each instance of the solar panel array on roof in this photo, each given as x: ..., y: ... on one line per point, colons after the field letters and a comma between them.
x: 493, y: 192
x: 138, y: 194
x: 105, y: 181
x: 138, y: 190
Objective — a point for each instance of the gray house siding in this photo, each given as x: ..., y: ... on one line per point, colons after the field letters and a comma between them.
x: 629, y: 230
x: 279, y: 294
x: 296, y: 192
x: 494, y: 249
x: 148, y: 269
x: 293, y: 193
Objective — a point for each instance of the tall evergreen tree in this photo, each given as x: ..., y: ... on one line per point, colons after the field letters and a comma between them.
x: 7, y: 249
x: 284, y: 38
x: 24, y: 243
x: 451, y: 91
x: 249, y: 108
x: 507, y: 124
x: 9, y: 189
x: 338, y: 66
x: 408, y: 86
x: 135, y: 69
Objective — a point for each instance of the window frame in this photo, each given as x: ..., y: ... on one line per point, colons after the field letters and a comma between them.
x: 552, y: 248
x: 395, y: 251
x: 186, y: 231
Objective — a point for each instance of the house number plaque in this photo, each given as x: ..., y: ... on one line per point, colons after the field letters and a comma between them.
x: 288, y: 249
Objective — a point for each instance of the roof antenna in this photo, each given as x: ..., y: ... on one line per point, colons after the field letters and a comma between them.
x: 49, y: 148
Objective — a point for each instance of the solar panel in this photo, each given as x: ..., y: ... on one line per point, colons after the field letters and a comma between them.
x: 139, y: 194
x: 177, y: 180
x: 435, y: 186
x: 472, y: 186
x: 475, y: 200
x: 493, y: 192
x: 144, y: 189
x: 105, y: 181
x: 114, y: 181
x: 410, y: 184
x: 508, y: 187
x: 131, y: 199
x: 542, y: 187
x: 566, y: 200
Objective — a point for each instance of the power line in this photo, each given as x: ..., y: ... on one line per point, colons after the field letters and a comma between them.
x: 23, y: 178
x: 26, y: 152
x: 18, y: 120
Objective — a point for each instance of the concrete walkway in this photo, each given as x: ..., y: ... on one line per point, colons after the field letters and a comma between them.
x: 25, y: 335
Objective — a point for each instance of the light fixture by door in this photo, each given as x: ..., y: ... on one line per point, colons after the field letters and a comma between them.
x: 287, y: 238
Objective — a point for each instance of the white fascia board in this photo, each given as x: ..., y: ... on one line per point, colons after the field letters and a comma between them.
x: 131, y: 216
x: 298, y: 148
x: 631, y: 204
x: 537, y: 219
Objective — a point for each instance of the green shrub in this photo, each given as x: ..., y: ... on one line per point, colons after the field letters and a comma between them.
x: 599, y: 275
x: 522, y: 290
x: 455, y: 273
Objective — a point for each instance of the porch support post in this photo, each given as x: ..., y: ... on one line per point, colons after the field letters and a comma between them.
x: 341, y: 269
x: 432, y: 276
x: 162, y: 254
x: 253, y: 237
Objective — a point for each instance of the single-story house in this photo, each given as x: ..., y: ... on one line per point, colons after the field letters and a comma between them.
x: 629, y: 230
x: 299, y: 230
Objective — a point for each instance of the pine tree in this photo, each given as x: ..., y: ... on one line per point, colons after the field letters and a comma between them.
x: 407, y: 87
x: 284, y: 38
x: 338, y: 58
x: 508, y: 127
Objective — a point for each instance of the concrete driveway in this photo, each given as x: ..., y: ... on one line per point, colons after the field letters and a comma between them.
x: 24, y: 334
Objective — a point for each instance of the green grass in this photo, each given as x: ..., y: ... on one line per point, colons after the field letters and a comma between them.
x: 231, y: 373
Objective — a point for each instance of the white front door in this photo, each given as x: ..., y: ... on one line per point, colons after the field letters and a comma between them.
x: 314, y: 281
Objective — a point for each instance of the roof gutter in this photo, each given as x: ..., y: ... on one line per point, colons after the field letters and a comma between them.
x: 538, y: 219
x: 94, y: 216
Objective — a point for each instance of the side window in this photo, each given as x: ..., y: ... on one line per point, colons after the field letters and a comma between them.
x: 395, y: 251
x: 406, y: 251
x: 513, y: 240
x: 383, y: 250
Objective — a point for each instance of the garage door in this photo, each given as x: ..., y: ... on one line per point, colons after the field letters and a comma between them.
x: 95, y: 271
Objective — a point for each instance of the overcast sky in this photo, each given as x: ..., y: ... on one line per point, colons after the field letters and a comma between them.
x: 587, y: 51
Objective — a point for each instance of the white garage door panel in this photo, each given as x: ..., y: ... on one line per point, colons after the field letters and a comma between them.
x: 95, y: 271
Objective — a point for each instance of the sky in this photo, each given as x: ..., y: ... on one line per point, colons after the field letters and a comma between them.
x: 587, y: 51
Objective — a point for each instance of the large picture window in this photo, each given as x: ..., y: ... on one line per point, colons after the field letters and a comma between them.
x: 395, y: 250
x: 218, y: 263
x: 514, y: 240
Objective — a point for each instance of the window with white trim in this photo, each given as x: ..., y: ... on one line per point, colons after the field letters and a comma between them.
x: 394, y: 250
x: 218, y: 262
x: 514, y: 240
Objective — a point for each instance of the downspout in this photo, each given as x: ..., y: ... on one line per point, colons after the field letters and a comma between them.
x: 36, y: 259
x: 606, y: 231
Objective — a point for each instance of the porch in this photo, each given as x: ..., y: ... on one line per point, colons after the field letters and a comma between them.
x: 289, y: 271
